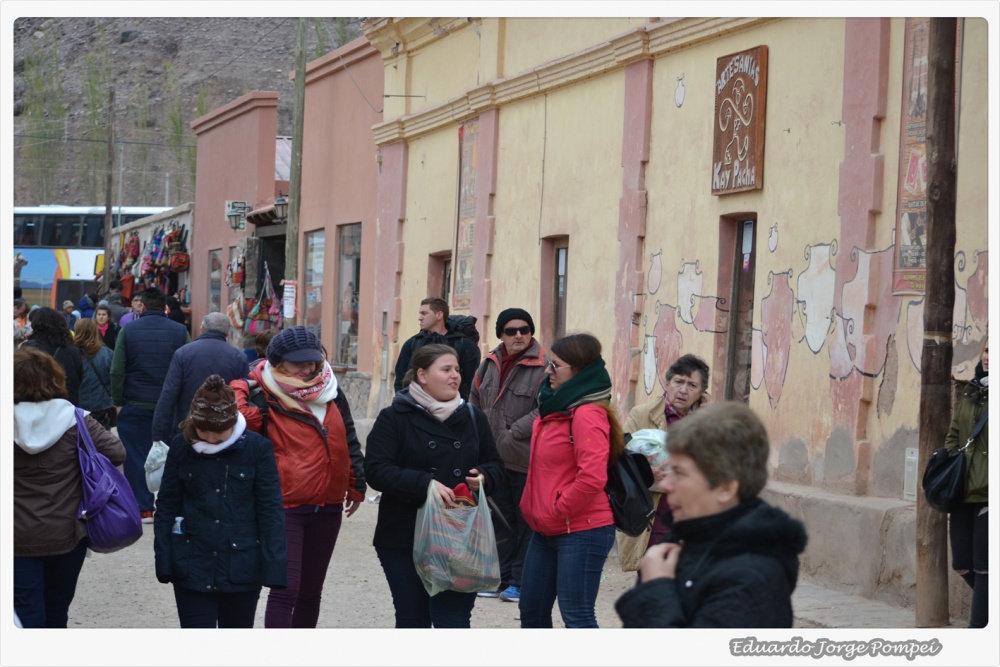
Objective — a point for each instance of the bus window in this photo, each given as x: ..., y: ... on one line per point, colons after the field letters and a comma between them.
x: 61, y: 231
x: 26, y: 229
x: 93, y: 231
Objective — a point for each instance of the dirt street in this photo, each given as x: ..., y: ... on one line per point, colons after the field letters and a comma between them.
x: 120, y: 590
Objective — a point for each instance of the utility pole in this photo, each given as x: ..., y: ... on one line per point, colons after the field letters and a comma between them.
x: 936, y: 357
x: 105, y: 277
x: 295, y: 187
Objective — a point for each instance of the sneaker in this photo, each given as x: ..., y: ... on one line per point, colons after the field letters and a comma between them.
x: 511, y: 594
x: 147, y: 516
x: 489, y: 594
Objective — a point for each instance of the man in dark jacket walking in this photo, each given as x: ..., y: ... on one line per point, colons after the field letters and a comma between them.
x: 433, y: 318
x: 138, y: 370
x: 209, y: 354
x: 506, y: 389
x: 114, y: 299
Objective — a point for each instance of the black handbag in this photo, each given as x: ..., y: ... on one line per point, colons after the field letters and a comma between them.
x: 944, y: 476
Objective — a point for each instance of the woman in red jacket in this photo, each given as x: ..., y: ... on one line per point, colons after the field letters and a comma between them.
x: 574, y: 438
x: 300, y: 410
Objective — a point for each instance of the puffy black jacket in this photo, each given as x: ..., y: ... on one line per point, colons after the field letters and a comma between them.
x: 234, y: 522
x: 408, y: 447
x: 737, y: 570
x: 468, y: 356
x: 208, y: 354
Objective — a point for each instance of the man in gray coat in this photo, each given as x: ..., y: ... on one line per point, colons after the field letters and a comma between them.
x: 208, y: 354
x: 506, y: 388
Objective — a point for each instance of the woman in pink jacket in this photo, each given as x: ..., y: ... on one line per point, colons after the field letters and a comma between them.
x: 574, y: 438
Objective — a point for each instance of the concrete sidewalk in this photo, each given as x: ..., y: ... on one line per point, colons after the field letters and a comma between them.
x: 818, y: 607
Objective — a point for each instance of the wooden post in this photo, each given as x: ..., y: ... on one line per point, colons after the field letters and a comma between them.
x: 295, y: 186
x: 936, y: 357
x: 105, y: 278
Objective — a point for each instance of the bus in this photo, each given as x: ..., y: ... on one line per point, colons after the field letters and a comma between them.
x: 59, y: 250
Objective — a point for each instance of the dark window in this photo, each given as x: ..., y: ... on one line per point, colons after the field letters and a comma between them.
x: 26, y: 229
x: 559, y: 314
x: 62, y: 231
x: 93, y: 231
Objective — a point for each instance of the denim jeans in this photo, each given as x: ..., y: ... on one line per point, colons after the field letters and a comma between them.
x: 567, y: 567
x: 44, y: 587
x: 135, y: 430
x: 968, y: 528
x: 311, y: 538
x: 414, y: 607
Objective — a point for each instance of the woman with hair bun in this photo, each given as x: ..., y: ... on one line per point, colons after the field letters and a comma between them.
x: 219, y: 527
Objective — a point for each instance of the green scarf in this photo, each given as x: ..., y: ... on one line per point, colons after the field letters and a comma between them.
x: 590, y: 385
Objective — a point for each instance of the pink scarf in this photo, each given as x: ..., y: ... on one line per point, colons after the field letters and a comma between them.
x: 296, y: 393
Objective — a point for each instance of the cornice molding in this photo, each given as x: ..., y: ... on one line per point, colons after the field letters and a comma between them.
x: 238, y: 107
x: 648, y: 41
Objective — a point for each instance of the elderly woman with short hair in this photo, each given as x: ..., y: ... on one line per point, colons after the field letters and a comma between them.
x: 732, y: 559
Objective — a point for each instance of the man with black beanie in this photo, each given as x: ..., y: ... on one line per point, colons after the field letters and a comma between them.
x: 505, y: 388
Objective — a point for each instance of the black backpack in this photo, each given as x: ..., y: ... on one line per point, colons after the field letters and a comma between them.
x: 629, y: 479
x: 465, y: 325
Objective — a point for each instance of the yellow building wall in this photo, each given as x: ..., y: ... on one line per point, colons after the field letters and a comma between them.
x: 530, y: 42
x: 431, y: 205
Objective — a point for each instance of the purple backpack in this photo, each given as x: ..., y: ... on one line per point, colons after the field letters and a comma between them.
x: 108, y: 508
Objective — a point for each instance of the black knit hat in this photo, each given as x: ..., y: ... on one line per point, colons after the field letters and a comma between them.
x: 514, y: 314
x: 213, y: 408
x: 295, y: 344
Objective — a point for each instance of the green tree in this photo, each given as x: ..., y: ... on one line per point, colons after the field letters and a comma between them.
x: 41, y: 154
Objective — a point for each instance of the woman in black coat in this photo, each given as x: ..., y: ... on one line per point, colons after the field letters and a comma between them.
x: 50, y: 334
x: 731, y: 560
x: 428, y: 437
x: 219, y: 525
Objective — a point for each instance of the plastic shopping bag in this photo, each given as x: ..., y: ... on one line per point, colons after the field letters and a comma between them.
x: 154, y: 465
x: 454, y: 548
x: 651, y: 443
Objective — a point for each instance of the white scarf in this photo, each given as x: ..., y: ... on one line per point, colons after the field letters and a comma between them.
x: 441, y: 410
x: 205, y: 448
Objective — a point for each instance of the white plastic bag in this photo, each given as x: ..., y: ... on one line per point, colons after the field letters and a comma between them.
x: 652, y: 443
x: 154, y: 465
x: 455, y: 548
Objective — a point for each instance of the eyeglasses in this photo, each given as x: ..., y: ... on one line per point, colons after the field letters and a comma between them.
x: 513, y: 331
x: 552, y: 365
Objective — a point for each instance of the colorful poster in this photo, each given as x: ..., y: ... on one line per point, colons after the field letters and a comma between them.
x: 468, y: 147
x: 910, y: 268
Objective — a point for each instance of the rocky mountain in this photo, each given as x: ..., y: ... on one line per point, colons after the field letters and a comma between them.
x: 165, y: 72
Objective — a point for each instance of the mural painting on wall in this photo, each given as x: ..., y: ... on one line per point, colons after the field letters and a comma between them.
x: 468, y: 153
x: 969, y: 319
x: 911, y: 191
x: 738, y: 123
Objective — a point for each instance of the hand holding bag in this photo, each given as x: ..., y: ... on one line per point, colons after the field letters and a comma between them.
x: 454, y: 548
x: 108, y: 507
x: 944, y: 476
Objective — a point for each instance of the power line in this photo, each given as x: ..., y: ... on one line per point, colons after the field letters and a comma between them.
x: 100, y: 141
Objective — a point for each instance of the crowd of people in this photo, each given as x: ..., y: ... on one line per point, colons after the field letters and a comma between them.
x: 264, y: 466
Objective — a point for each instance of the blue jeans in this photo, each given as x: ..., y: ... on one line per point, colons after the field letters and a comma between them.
x: 414, y: 607
x: 44, y: 587
x: 567, y: 567
x: 135, y: 430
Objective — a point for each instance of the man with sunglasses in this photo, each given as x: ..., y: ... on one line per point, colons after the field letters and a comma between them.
x: 506, y: 389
